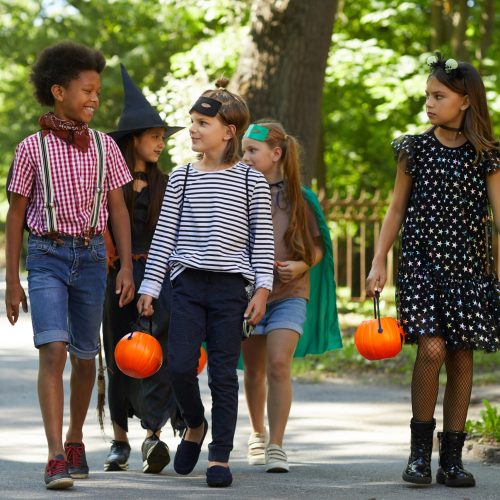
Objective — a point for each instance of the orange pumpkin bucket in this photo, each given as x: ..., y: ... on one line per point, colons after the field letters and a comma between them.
x: 139, y: 354
x: 202, y: 360
x: 379, y: 338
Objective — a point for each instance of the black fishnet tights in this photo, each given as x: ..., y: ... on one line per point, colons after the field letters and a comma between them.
x: 431, y: 355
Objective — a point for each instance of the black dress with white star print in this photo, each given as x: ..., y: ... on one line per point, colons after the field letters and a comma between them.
x: 446, y: 284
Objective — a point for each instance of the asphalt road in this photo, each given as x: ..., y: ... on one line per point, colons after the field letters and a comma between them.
x: 345, y: 440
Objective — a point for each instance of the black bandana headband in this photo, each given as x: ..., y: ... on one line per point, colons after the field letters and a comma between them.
x: 206, y: 106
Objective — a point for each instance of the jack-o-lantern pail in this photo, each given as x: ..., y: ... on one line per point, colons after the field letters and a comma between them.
x: 379, y: 338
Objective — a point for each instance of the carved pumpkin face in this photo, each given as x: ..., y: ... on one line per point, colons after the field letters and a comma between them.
x: 373, y: 344
x: 138, y: 355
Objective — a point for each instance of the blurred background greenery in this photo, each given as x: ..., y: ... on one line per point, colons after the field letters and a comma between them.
x: 348, y: 363
x: 371, y: 80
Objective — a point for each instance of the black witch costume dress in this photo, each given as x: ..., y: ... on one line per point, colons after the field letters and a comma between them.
x: 151, y: 399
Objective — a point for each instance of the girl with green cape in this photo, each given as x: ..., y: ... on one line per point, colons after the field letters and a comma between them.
x: 301, y: 313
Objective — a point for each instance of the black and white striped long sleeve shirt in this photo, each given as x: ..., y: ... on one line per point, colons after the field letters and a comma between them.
x: 207, y: 227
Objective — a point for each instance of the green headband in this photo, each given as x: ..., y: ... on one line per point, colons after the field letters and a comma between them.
x: 257, y: 132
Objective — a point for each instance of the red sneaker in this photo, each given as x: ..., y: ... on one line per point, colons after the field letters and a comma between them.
x: 77, y: 461
x: 56, y: 474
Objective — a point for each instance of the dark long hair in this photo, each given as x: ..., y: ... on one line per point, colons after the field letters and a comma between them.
x: 465, y: 80
x: 157, y: 181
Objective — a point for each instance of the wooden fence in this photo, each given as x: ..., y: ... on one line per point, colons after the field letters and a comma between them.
x: 355, y: 227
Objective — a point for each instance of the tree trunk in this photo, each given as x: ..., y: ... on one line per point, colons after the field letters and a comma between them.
x: 281, y: 70
x: 486, y: 30
x: 437, y: 24
x: 460, y: 18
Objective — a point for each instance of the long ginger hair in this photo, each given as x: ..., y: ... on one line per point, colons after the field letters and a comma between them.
x: 298, y: 237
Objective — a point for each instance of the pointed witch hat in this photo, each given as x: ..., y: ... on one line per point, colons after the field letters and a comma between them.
x: 137, y: 113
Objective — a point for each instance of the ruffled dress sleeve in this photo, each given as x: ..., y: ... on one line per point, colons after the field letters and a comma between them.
x: 404, y: 149
x: 491, y: 161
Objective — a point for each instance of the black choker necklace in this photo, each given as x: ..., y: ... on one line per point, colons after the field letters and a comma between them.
x: 140, y: 175
x: 458, y: 130
x: 277, y: 184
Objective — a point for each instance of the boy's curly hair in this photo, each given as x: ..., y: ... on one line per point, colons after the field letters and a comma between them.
x: 61, y: 63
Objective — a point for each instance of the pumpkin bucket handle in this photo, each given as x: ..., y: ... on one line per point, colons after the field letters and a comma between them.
x: 137, y: 323
x: 376, y: 310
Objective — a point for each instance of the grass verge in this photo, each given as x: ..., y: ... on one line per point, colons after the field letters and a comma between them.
x: 347, y: 362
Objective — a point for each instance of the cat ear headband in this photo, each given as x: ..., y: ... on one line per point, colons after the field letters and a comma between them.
x: 450, y: 66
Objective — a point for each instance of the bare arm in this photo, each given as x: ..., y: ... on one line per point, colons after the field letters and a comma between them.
x: 14, y: 294
x: 120, y: 223
x: 390, y: 228
x: 290, y: 269
x: 493, y: 186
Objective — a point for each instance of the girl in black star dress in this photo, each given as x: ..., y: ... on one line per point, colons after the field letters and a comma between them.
x: 448, y: 295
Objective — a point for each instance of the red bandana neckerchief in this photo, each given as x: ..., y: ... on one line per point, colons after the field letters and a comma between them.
x: 72, y: 133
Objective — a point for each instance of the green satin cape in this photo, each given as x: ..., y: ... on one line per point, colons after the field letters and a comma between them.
x: 321, y: 329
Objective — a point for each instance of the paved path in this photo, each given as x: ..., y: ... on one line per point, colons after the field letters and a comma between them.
x: 344, y: 440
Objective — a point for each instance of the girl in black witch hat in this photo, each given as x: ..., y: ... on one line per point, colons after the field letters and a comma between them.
x: 141, y: 137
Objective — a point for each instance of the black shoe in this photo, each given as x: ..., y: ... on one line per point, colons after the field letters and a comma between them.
x: 451, y: 471
x: 117, y: 458
x: 188, y: 453
x: 219, y: 476
x: 418, y: 469
x: 155, y: 455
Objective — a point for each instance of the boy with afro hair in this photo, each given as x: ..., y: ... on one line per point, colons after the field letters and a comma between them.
x: 65, y: 180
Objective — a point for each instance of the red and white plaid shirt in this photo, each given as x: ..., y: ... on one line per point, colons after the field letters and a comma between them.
x: 74, y: 180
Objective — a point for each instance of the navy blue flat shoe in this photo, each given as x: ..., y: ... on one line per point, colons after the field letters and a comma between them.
x: 188, y: 453
x: 219, y: 476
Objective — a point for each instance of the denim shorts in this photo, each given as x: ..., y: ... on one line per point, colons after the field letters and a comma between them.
x: 66, y: 285
x: 287, y: 314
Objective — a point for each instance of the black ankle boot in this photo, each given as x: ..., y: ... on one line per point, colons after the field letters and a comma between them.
x: 418, y: 470
x: 451, y: 470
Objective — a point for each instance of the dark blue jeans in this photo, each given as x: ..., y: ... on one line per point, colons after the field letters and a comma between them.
x: 207, y: 306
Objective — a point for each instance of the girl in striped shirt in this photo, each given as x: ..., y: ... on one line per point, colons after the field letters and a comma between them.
x: 215, y: 234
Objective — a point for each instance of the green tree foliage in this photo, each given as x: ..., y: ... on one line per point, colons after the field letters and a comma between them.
x: 151, y: 38
x: 375, y: 77
x: 375, y: 83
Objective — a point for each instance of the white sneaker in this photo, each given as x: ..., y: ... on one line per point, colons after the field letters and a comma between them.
x: 257, y: 448
x: 277, y: 461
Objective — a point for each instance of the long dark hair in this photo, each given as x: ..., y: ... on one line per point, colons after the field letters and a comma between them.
x: 465, y: 80
x: 157, y: 181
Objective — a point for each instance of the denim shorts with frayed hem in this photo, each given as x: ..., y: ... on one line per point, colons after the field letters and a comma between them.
x: 287, y: 314
x: 66, y: 285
